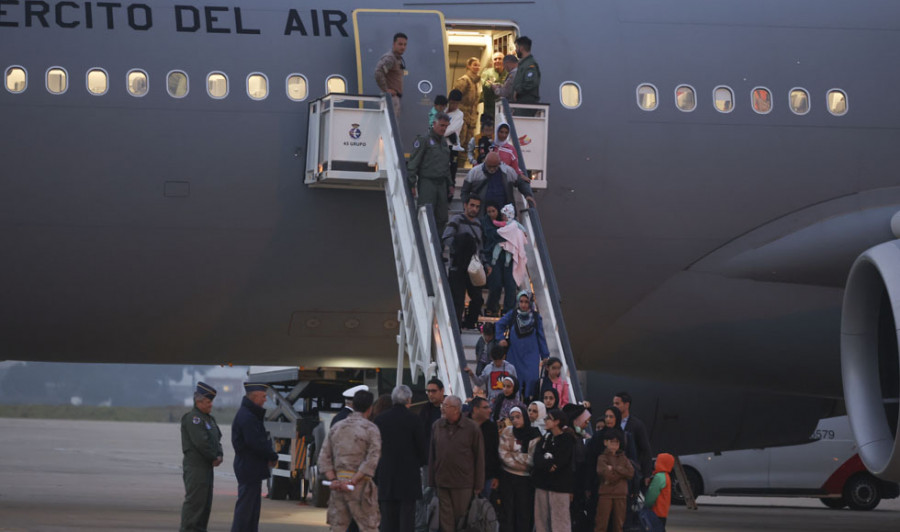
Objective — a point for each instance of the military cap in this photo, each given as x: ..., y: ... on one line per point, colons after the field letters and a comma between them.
x: 206, y: 390
x: 255, y: 387
x: 350, y: 392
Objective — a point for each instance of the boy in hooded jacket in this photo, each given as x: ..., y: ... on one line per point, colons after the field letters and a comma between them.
x: 614, y: 469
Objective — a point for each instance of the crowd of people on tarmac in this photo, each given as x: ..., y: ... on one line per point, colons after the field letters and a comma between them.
x: 457, y: 464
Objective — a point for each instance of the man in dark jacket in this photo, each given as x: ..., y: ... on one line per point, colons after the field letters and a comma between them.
x: 494, y: 181
x: 464, y: 237
x: 402, y: 454
x: 481, y: 415
x: 455, y: 463
x: 622, y: 401
x: 431, y: 412
x: 254, y: 457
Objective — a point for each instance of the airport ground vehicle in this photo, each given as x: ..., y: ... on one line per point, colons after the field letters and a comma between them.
x: 304, y: 403
x: 828, y: 467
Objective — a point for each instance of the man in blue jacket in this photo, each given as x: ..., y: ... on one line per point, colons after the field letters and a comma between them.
x: 254, y: 457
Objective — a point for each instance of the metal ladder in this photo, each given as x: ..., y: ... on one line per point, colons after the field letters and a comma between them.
x: 429, y: 333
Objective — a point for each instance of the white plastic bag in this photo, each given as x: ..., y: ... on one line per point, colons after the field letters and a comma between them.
x: 476, y: 272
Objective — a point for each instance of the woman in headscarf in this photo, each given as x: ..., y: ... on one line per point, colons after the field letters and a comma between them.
x: 505, y: 149
x: 527, y: 345
x: 504, y: 403
x: 536, y: 414
x: 517, y: 444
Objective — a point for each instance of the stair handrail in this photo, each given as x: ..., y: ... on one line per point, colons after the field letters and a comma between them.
x: 549, y: 277
x: 434, y: 274
x: 452, y: 325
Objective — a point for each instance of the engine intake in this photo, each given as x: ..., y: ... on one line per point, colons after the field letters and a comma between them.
x: 870, y: 363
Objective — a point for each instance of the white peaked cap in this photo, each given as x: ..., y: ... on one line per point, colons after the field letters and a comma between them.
x: 350, y: 392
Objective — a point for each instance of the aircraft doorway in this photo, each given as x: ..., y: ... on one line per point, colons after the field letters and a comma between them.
x: 479, y: 40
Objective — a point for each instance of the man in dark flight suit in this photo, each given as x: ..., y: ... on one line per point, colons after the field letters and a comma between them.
x: 201, y: 443
x: 254, y: 457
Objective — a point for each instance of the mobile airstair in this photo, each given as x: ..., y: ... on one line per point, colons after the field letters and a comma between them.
x: 352, y: 145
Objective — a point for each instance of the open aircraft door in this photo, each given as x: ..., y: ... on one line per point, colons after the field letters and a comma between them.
x: 425, y: 75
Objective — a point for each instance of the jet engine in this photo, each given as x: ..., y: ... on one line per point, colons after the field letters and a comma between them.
x: 870, y: 363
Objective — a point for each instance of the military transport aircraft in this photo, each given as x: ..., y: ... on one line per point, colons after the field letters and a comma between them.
x: 713, y: 171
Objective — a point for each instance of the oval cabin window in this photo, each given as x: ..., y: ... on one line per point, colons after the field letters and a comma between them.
x: 335, y: 84
x: 297, y: 87
x: 646, y: 97
x: 570, y: 95
x: 57, y: 81
x: 137, y: 82
x: 723, y: 99
x: 837, y: 102
x: 177, y: 84
x: 799, y: 101
x: 97, y: 82
x: 685, y: 98
x: 217, y: 85
x: 16, y: 80
x: 257, y: 86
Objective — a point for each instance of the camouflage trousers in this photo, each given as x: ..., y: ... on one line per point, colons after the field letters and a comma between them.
x: 359, y: 505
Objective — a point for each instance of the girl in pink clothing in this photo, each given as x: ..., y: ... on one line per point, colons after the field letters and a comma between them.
x: 552, y: 378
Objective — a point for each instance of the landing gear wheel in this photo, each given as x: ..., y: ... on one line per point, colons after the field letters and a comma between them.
x: 834, y: 503
x: 862, y: 492
x: 695, y: 482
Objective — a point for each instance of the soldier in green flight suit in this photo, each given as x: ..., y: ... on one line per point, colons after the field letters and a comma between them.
x: 428, y: 170
x: 527, y: 84
x: 202, y: 447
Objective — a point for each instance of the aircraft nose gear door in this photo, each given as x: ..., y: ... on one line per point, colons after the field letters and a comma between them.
x: 425, y: 75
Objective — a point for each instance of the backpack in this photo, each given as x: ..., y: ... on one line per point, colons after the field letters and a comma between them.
x: 481, y: 517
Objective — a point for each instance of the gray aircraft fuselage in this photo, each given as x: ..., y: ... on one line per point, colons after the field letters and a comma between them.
x: 700, y: 248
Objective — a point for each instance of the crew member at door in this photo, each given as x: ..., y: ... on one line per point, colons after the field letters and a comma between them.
x: 390, y: 70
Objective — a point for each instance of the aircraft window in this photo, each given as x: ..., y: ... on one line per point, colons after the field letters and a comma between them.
x: 217, y: 85
x: 138, y: 83
x: 685, y: 98
x: 97, y: 81
x: 257, y: 86
x: 646, y: 97
x: 16, y: 79
x: 723, y: 98
x: 570, y: 95
x: 57, y: 80
x: 799, y: 101
x: 297, y: 87
x: 837, y: 102
x: 761, y: 99
x: 178, y: 84
x: 335, y: 84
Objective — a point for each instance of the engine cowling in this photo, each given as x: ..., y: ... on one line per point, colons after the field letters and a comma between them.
x: 870, y: 363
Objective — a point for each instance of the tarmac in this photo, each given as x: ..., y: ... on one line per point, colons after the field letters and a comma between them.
x: 110, y: 476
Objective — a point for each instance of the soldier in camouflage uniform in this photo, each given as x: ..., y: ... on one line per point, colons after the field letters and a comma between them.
x: 202, y: 448
x: 349, y: 459
x: 428, y: 170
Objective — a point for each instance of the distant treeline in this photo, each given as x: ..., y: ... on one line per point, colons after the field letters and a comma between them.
x: 160, y: 414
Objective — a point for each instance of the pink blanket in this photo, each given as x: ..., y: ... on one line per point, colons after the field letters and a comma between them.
x: 515, y: 241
